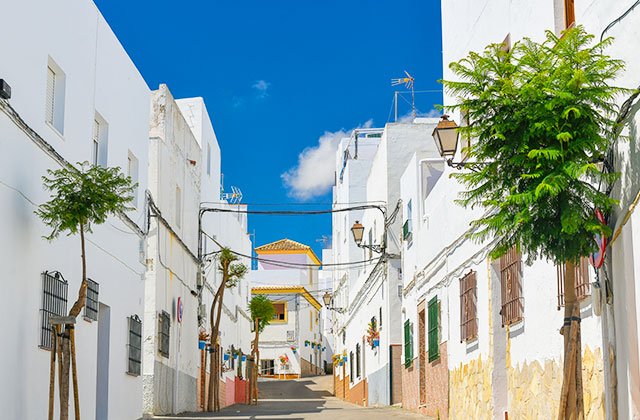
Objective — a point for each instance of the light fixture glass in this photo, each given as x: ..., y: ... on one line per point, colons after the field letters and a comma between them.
x: 327, y: 299
x: 446, y: 136
x: 358, y: 230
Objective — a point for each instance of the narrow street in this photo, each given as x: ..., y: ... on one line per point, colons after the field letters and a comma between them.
x: 306, y: 398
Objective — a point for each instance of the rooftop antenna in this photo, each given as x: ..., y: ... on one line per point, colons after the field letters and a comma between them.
x: 325, y: 241
x: 233, y: 197
x: 408, y: 83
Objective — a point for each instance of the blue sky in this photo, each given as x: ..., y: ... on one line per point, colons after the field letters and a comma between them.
x: 280, y: 77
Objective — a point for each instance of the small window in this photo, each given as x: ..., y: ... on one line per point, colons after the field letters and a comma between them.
x: 132, y: 172
x: 178, y: 206
x: 134, y: 345
x: 267, y: 366
x: 433, y: 309
x: 511, y: 287
x: 351, y: 363
x: 468, y: 307
x: 99, y: 141
x: 54, y: 96
x: 54, y: 303
x: 380, y: 323
x: 407, y: 228
x: 280, y: 314
x: 569, y: 13
x: 583, y: 286
x: 91, y: 305
x: 95, y: 144
x: 408, y: 343
x: 358, y: 360
x: 164, y: 331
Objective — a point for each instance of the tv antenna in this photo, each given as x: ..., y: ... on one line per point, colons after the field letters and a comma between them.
x: 233, y: 197
x: 408, y: 83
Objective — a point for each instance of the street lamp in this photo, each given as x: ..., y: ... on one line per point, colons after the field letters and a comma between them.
x: 446, y: 136
x: 327, y: 299
x: 358, y: 230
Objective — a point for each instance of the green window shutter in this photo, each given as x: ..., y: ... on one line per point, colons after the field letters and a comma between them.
x: 434, y: 315
x: 408, y: 344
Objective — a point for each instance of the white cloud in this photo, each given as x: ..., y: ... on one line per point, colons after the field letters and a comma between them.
x: 314, y: 174
x: 262, y: 87
x: 406, y: 118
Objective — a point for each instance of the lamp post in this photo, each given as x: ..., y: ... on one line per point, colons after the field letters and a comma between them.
x: 328, y: 300
x: 358, y: 231
x: 446, y: 136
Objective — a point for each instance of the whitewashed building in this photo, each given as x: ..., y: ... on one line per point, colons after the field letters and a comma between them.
x: 288, y: 275
x: 367, y: 288
x: 75, y: 96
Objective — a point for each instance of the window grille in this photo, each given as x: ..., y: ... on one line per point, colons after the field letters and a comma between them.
x: 95, y: 147
x: 468, y: 307
x: 164, y: 331
x: 91, y: 305
x: 351, y: 366
x: 511, y: 287
x: 51, y: 95
x: 434, y: 325
x: 358, y: 360
x: 408, y: 343
x: 135, y: 345
x: 583, y: 286
x: 54, y: 303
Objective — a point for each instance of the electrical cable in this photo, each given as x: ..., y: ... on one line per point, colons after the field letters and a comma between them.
x: 616, y: 21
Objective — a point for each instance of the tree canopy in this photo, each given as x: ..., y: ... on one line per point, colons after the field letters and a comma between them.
x: 541, y: 117
x: 83, y: 196
x: 236, y: 271
x: 261, y: 308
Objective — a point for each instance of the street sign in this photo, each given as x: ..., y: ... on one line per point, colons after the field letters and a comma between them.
x: 597, y: 258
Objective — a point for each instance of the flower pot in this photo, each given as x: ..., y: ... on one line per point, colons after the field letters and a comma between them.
x: 244, y: 358
x: 226, y: 357
x: 376, y: 342
x: 202, y: 344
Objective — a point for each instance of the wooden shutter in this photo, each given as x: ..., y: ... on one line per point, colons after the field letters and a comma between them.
x: 468, y: 307
x: 50, y: 95
x: 433, y: 313
x: 408, y: 344
x: 569, y: 13
x: 511, y: 287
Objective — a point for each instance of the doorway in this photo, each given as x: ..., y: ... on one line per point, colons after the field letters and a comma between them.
x: 102, y: 375
x: 422, y: 357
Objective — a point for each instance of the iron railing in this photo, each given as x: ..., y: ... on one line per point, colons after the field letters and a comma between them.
x: 54, y: 303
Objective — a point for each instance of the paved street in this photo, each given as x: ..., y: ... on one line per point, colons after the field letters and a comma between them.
x: 307, y: 398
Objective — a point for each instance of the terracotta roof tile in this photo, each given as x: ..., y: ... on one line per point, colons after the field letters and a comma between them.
x: 283, y: 245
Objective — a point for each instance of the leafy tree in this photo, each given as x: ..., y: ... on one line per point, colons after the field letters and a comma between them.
x: 232, y: 272
x: 81, y: 197
x: 542, y: 117
x: 262, y: 311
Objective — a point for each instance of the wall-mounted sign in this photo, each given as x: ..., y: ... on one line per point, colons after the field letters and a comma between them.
x: 179, y: 310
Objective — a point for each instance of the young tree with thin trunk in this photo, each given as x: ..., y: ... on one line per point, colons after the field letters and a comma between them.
x: 232, y: 272
x: 542, y: 116
x: 262, y: 311
x: 81, y: 197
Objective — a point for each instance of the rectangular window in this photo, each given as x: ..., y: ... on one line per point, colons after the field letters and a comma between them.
x: 54, y: 97
x: 50, y: 96
x: 468, y: 307
x: 164, y: 332
x: 408, y: 343
x: 54, y: 303
x: 358, y: 360
x: 280, y: 314
x: 310, y: 320
x: 95, y: 144
x: 132, y: 172
x: 351, y: 363
x: 407, y: 228
x: 134, y: 345
x: 583, y: 286
x: 91, y: 305
x: 99, y: 141
x: 267, y: 367
x: 433, y: 337
x: 511, y: 287
x: 569, y: 13
x: 178, y: 207
x: 380, y: 323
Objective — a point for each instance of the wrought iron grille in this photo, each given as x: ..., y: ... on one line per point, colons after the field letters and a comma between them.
x: 135, y: 345
x: 358, y: 360
x: 91, y: 305
x: 511, y: 287
x: 583, y: 286
x: 351, y: 365
x: 54, y: 303
x: 164, y: 331
x: 468, y: 307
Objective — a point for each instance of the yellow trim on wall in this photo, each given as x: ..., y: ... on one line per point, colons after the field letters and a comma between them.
x: 308, y: 252
x: 266, y: 290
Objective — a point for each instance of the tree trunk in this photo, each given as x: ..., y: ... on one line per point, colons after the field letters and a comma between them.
x: 64, y: 378
x: 571, y: 402
x: 255, y: 353
x: 214, y: 376
x: 74, y: 373
x: 52, y: 371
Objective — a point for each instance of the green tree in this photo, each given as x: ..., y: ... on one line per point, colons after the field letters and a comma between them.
x: 232, y: 272
x: 262, y: 311
x: 542, y: 117
x: 81, y: 198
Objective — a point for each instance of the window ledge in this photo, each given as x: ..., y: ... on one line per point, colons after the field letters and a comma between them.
x: 55, y: 130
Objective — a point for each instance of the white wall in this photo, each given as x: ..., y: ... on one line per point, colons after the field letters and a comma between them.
x: 101, y: 78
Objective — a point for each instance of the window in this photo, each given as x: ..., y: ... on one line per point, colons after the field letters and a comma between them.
x: 583, y: 287
x: 311, y: 320
x: 280, y: 314
x: 291, y: 335
x: 511, y: 287
x: 99, y: 141
x: 408, y: 343
x: 91, y: 305
x: 178, y: 207
x: 468, y: 307
x: 380, y: 323
x: 569, y: 13
x: 54, y: 303
x: 351, y: 363
x: 164, y: 331
x: 430, y: 174
x: 132, y: 172
x: 134, y: 345
x: 54, y: 96
x: 433, y: 309
x: 267, y: 367
x: 407, y: 228
x: 358, y: 360
x: 95, y: 146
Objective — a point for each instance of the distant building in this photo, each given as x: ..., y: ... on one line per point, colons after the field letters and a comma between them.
x: 288, y: 275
